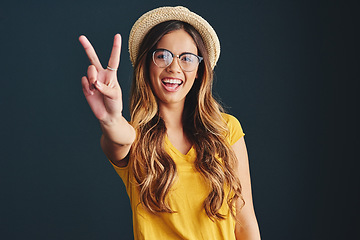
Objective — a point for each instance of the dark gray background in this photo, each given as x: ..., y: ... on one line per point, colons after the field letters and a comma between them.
x: 287, y: 71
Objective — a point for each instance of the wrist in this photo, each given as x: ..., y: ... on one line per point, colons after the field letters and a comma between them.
x: 112, y: 121
x: 118, y: 131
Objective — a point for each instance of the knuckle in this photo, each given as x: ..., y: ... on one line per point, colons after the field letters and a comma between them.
x: 91, y: 67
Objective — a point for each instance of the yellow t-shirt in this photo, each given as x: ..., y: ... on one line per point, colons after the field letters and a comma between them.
x: 186, y: 198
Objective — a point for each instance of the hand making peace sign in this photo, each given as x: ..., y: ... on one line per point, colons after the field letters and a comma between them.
x: 101, y: 87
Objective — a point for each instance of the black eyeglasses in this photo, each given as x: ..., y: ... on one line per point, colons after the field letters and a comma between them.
x: 187, y: 61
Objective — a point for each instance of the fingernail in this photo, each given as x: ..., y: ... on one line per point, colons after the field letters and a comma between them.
x: 97, y: 84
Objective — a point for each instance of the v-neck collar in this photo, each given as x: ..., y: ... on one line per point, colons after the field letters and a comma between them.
x: 176, y: 151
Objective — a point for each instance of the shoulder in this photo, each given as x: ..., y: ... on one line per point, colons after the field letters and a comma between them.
x: 234, y: 126
x: 229, y: 119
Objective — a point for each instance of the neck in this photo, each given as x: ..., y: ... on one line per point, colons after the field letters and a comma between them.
x: 172, y: 115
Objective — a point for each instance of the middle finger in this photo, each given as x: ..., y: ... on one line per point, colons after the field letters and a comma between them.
x: 115, y: 53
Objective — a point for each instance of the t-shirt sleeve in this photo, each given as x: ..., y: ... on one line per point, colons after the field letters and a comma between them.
x: 123, y: 172
x: 235, y: 129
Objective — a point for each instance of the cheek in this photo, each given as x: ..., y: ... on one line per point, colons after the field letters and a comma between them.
x: 151, y: 70
x: 155, y: 83
x: 153, y: 73
x: 192, y: 76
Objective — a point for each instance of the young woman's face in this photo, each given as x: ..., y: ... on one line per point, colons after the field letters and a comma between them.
x: 171, y: 84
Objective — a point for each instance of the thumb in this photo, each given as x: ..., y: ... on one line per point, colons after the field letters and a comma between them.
x: 107, y: 91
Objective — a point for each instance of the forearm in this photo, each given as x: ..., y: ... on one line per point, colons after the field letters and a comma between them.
x: 117, y: 139
x: 248, y: 229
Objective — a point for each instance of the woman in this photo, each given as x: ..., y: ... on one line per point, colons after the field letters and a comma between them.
x: 183, y: 162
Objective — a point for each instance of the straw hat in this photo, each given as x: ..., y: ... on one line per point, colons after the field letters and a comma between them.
x: 150, y: 19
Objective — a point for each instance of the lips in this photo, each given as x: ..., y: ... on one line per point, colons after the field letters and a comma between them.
x: 171, y: 84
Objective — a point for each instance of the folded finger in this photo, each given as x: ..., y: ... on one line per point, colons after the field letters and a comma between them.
x: 115, y: 53
x: 92, y: 76
x: 90, y: 52
x: 86, y: 86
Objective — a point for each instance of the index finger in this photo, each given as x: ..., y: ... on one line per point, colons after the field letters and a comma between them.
x: 90, y: 52
x: 115, y: 52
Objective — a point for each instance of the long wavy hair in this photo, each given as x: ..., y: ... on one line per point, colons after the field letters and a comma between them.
x: 153, y: 168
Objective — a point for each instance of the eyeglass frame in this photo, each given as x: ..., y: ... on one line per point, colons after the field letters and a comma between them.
x: 177, y: 56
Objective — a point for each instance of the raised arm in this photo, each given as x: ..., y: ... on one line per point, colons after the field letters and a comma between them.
x: 103, y: 94
x: 248, y: 228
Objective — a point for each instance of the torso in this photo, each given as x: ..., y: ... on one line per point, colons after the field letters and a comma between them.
x: 186, y: 196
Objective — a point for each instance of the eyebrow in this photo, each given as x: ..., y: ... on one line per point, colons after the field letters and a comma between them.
x: 175, y: 54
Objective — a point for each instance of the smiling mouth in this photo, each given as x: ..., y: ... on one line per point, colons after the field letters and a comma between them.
x: 171, y: 84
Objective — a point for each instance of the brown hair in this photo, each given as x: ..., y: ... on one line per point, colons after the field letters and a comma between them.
x: 154, y: 170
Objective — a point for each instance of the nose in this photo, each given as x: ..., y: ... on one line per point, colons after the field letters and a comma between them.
x: 174, y: 65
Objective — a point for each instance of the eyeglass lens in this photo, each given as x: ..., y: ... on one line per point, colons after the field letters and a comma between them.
x: 187, y: 61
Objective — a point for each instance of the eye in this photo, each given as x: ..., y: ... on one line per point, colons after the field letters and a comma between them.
x: 163, y: 55
x: 188, y: 58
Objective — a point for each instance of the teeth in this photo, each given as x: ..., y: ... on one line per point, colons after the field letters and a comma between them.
x: 172, y: 81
